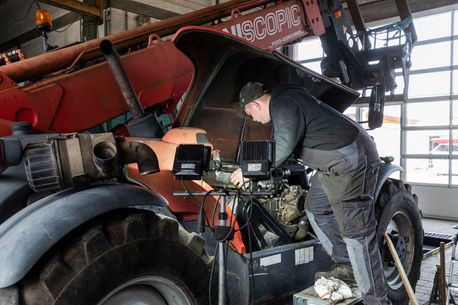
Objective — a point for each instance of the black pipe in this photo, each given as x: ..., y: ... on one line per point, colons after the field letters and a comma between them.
x: 105, y: 156
x: 140, y: 153
x: 114, y: 61
x: 10, y: 153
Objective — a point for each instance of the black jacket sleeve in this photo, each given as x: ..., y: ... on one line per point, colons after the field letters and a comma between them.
x: 289, y: 125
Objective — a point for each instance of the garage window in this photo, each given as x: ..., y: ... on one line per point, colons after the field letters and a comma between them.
x: 434, y: 26
x: 430, y: 153
x: 441, y: 58
x: 420, y: 114
x: 422, y: 131
x: 430, y: 83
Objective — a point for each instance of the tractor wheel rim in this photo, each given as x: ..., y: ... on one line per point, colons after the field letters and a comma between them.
x: 400, y: 227
x: 154, y: 290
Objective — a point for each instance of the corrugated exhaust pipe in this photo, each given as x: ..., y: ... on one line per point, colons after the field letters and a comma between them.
x: 114, y: 61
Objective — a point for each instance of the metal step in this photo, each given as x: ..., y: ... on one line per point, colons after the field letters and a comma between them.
x: 310, y: 297
x: 432, y: 240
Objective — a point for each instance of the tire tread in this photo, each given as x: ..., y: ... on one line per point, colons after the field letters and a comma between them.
x: 46, y: 281
x: 393, y: 192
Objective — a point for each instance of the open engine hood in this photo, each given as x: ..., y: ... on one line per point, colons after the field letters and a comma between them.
x: 223, y: 63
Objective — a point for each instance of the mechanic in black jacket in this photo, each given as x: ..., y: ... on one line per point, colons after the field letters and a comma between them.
x: 340, y: 202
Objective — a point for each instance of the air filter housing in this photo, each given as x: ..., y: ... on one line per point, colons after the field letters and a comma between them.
x: 79, y: 160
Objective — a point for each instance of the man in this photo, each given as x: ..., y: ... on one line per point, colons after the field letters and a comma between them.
x: 340, y: 202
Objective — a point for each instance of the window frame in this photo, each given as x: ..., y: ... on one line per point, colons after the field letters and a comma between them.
x: 450, y: 97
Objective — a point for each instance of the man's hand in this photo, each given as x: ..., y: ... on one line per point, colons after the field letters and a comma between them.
x: 237, y: 178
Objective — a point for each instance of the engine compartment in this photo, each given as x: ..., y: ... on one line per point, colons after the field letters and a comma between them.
x: 279, y: 219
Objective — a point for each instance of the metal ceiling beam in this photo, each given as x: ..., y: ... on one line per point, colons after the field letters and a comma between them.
x: 34, y: 33
x: 142, y: 9
x: 129, y: 5
x: 379, y: 10
x: 358, y: 21
x: 189, y: 4
x: 370, y: 11
x: 78, y: 7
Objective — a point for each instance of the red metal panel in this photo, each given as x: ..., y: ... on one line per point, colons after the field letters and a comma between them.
x: 313, y: 16
x: 5, y: 127
x: 75, y: 102
x: 5, y: 82
x: 268, y: 28
x: 38, y: 66
x: 39, y: 107
x: 80, y: 100
x: 165, y: 184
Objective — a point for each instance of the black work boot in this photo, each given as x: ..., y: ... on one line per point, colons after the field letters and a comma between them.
x: 339, y: 271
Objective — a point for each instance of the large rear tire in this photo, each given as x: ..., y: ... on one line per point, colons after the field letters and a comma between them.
x: 399, y: 216
x: 126, y: 257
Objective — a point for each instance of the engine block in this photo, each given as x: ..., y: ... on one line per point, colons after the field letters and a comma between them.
x: 288, y: 209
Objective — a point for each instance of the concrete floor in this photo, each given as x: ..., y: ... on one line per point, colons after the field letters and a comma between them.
x: 428, y: 269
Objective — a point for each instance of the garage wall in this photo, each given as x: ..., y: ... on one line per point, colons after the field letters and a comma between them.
x: 437, y: 201
x: 17, y: 17
x: 70, y: 34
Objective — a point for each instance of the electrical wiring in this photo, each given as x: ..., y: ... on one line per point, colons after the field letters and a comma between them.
x: 214, y: 210
x: 27, y: 14
x: 68, y: 26
x: 225, y: 264
x: 231, y: 223
x: 202, y: 210
x: 232, y: 229
x: 250, y: 266
x: 211, y: 276
x: 225, y: 240
x: 200, y: 204
x: 250, y: 228
x: 248, y: 218
x: 251, y: 270
x: 216, y: 251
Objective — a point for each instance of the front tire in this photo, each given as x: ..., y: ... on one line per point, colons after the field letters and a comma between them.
x: 126, y: 257
x: 400, y: 218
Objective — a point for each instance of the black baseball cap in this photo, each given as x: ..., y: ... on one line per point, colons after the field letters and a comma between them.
x: 251, y: 91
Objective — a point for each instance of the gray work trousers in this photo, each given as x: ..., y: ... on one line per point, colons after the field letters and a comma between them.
x: 340, y: 207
